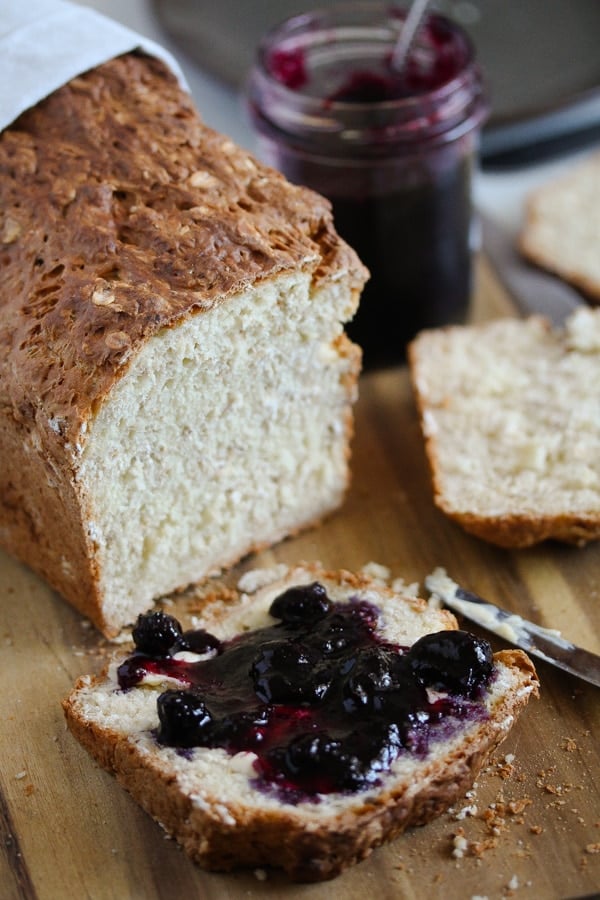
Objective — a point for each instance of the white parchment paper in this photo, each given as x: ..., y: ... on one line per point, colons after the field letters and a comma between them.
x: 45, y: 43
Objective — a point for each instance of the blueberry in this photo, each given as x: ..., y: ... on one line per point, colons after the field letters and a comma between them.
x: 310, y: 752
x: 156, y: 633
x: 318, y: 757
x: 243, y: 730
x: 282, y: 672
x: 452, y: 661
x: 352, y: 626
x: 362, y: 614
x: 335, y: 635
x: 301, y: 605
x: 334, y: 643
x: 387, y: 742
x: 130, y: 673
x: 378, y: 675
x: 377, y: 747
x: 198, y: 641
x: 184, y: 719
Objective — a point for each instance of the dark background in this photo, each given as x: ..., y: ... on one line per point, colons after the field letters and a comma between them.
x: 541, y: 59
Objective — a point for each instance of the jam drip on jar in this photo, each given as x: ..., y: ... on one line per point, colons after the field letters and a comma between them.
x: 324, y: 702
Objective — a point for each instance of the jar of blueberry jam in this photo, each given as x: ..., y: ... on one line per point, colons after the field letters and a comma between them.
x: 394, y: 151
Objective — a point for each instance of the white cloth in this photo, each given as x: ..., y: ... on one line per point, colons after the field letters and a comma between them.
x: 45, y: 43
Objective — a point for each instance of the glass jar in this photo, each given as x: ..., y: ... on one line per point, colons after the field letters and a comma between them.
x: 393, y: 151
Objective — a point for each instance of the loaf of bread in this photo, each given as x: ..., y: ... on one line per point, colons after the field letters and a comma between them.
x: 511, y: 419
x: 176, y: 387
x: 396, y: 716
x: 562, y: 224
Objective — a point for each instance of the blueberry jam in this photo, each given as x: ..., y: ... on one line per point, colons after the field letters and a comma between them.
x: 322, y: 700
x: 289, y: 67
x: 437, y: 58
x: 415, y: 240
x: 392, y: 149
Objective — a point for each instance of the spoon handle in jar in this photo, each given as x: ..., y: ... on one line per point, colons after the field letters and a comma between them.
x: 408, y: 33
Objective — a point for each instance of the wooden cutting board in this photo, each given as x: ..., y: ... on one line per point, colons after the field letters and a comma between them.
x: 531, y: 828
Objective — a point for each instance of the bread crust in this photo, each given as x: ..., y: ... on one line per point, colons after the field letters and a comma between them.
x: 222, y: 835
x: 517, y: 532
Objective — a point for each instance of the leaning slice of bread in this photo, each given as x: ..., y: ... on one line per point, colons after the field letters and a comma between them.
x: 561, y: 226
x: 208, y: 799
x: 511, y: 418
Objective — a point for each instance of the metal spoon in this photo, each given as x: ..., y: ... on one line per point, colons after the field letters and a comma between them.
x: 408, y: 33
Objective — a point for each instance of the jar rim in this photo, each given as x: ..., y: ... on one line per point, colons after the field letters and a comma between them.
x: 368, y: 127
x: 320, y: 16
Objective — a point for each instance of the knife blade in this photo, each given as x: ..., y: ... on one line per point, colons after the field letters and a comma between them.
x: 533, y: 291
x: 545, y: 643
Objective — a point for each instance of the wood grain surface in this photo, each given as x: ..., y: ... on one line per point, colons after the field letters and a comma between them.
x: 532, y: 828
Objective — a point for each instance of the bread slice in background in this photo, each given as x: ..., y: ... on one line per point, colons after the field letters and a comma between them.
x: 208, y: 799
x: 176, y: 388
x: 510, y: 414
x: 561, y: 227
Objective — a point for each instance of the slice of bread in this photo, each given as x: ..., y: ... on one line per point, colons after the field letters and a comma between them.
x: 209, y: 800
x: 561, y: 226
x: 176, y: 387
x: 511, y: 419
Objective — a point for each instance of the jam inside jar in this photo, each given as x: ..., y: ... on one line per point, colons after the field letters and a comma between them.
x: 394, y: 152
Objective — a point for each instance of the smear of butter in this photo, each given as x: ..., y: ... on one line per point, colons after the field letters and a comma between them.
x: 156, y: 679
x: 512, y: 628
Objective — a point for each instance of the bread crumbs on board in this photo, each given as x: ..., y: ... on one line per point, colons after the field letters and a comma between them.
x: 483, y: 828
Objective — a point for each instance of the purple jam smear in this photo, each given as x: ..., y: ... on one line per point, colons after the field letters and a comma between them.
x: 324, y: 702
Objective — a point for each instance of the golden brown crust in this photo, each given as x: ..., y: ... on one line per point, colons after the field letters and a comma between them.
x: 122, y: 214
x: 518, y: 532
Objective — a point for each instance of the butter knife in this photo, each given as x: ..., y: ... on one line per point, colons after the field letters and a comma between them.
x: 544, y: 643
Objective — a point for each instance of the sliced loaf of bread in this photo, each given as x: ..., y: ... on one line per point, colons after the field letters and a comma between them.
x: 510, y: 413
x: 233, y: 807
x: 176, y: 386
